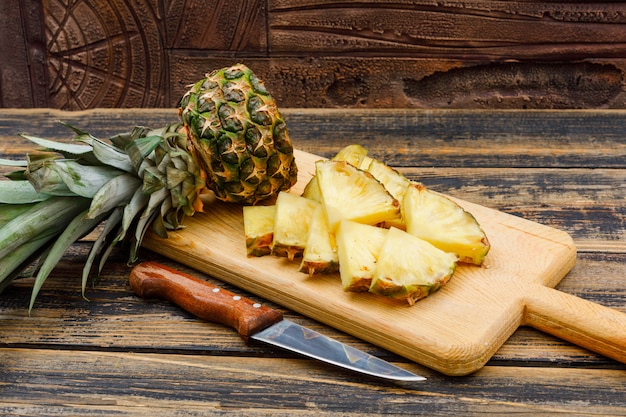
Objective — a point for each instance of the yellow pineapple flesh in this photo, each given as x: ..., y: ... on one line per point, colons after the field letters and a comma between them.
x: 320, y: 252
x: 442, y: 222
x: 258, y: 225
x: 312, y: 190
x: 291, y: 224
x: 350, y: 193
x: 352, y: 154
x: 394, y: 182
x: 410, y: 268
x: 358, y: 246
x: 383, y: 232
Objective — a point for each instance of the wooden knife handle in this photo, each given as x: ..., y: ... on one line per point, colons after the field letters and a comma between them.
x: 204, y: 300
x: 587, y: 324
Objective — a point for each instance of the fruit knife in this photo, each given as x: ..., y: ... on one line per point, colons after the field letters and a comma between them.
x: 255, y: 321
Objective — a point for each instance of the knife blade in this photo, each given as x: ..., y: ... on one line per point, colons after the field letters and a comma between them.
x: 255, y: 321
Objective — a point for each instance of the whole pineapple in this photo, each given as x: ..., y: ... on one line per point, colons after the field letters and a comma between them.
x: 239, y: 135
x: 231, y: 140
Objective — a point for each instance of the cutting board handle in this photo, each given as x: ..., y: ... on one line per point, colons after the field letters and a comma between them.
x: 582, y: 322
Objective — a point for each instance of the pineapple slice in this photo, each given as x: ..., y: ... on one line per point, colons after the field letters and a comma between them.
x: 394, y: 182
x: 312, y: 190
x: 358, y: 246
x: 352, y: 154
x: 320, y: 252
x: 258, y: 226
x: 410, y: 268
x: 291, y: 224
x: 442, y: 222
x: 335, y: 226
x: 350, y: 193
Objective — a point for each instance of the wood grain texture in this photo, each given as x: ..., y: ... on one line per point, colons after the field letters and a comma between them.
x: 119, y: 355
x: 458, y: 30
x: 104, y: 54
x: 374, y: 54
x: 198, y: 386
x: 455, y: 331
x: 411, y: 138
x: 312, y: 81
x: 216, y: 25
x: 114, y: 319
x: 23, y: 71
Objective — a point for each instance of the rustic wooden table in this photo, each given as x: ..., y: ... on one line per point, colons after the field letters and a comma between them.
x: 120, y: 355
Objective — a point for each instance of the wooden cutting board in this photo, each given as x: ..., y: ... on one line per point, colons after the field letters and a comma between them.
x: 457, y: 329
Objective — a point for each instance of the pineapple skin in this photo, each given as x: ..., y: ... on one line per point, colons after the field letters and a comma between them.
x: 238, y: 136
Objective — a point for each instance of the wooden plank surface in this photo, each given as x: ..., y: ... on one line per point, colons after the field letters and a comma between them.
x: 401, y: 137
x: 74, y: 357
x: 421, y: 29
x: 455, y: 330
x: 319, y: 54
x: 183, y: 385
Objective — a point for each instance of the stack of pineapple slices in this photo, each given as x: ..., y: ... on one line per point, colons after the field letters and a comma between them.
x: 384, y: 233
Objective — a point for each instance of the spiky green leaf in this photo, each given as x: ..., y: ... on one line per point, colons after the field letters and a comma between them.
x: 110, y: 155
x: 13, y: 163
x: 153, y: 179
x: 83, y: 180
x: 135, y: 206
x: 140, y: 231
x: 10, y: 211
x: 79, y: 132
x: 122, y: 140
x: 139, y: 149
x: 12, y: 265
x: 111, y: 223
x: 65, y: 148
x: 117, y: 192
x: 155, y: 201
x: 20, y: 192
x: 76, y: 228
x: 175, y: 176
x: 44, y: 218
x: 45, y: 179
